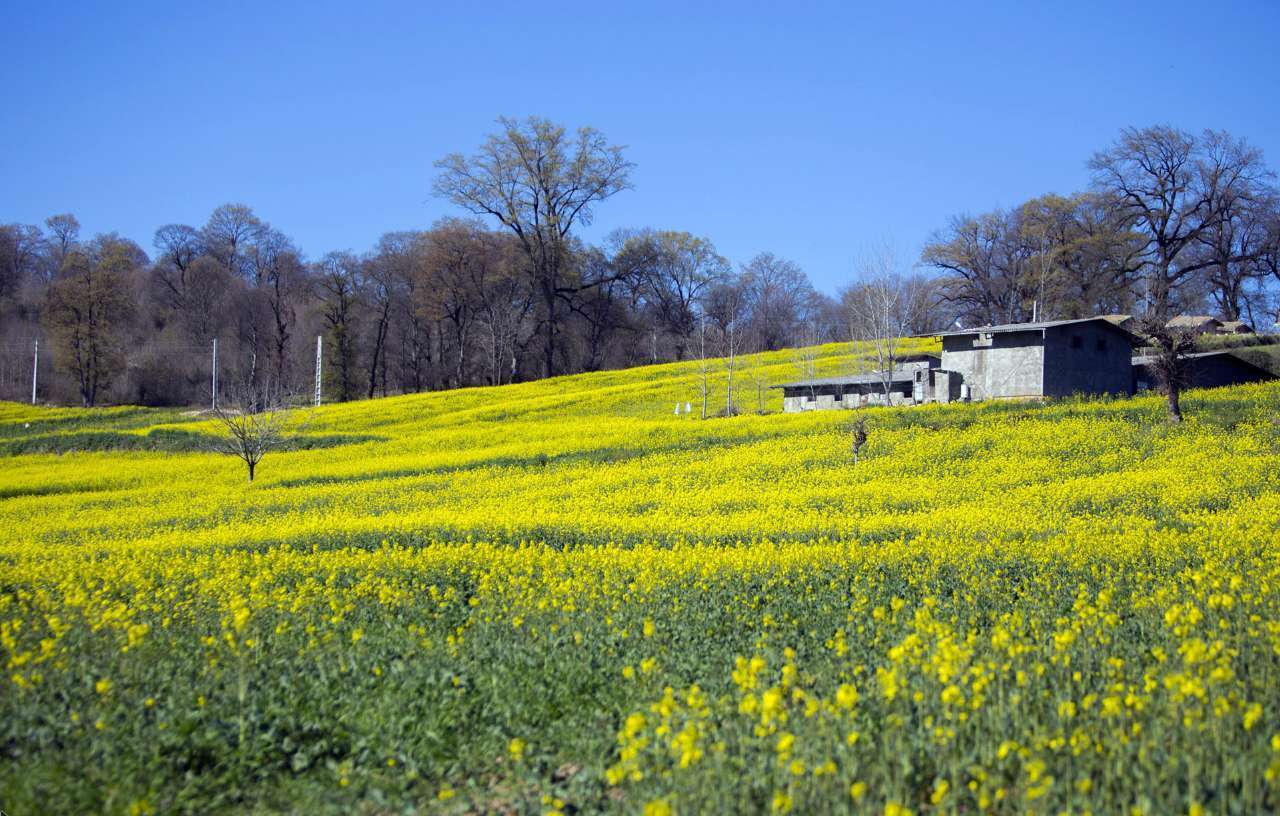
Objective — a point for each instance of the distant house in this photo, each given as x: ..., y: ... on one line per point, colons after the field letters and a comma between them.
x: 1209, y: 369
x: 1236, y: 327
x: 1197, y: 324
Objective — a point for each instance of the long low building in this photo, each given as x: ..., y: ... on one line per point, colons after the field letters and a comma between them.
x: 856, y: 390
x: 1209, y: 369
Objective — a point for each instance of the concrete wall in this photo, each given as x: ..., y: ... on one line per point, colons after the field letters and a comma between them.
x: 1012, y: 365
x: 1086, y: 358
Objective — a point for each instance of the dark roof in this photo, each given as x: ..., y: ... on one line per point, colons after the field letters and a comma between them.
x: 875, y: 378
x: 1200, y: 355
x: 1232, y: 325
x: 1022, y: 327
x: 1191, y: 321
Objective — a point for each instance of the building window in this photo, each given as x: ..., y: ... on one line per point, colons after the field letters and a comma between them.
x: 1076, y: 341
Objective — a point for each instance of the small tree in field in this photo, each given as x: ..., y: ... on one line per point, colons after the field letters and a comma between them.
x: 1168, y: 360
x: 253, y: 426
x: 858, y: 434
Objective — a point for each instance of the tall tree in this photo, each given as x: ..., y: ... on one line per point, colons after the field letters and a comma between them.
x: 88, y: 309
x: 883, y: 307
x: 672, y: 270
x: 402, y: 257
x: 540, y: 183
x: 969, y: 254
x: 231, y: 229
x: 384, y: 291
x: 778, y: 295
x: 21, y: 246
x: 276, y: 268
x: 191, y: 285
x: 1174, y: 188
x: 339, y: 278
x: 462, y: 258
x: 64, y: 235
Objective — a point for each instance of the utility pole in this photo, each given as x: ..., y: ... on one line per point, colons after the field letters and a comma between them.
x: 213, y: 387
x: 318, y: 372
x: 35, y: 371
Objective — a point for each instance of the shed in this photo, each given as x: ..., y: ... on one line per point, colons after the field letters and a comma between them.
x: 1197, y: 324
x: 1053, y: 358
x: 1207, y: 369
x: 1236, y: 327
x: 907, y: 384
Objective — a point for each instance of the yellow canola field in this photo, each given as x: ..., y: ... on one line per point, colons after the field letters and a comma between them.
x: 562, y: 597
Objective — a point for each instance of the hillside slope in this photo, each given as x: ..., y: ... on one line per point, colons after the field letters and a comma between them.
x: 562, y: 597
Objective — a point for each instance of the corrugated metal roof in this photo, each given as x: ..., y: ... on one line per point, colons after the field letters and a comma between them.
x: 1017, y: 327
x: 875, y: 378
x: 1190, y: 321
x: 1232, y: 325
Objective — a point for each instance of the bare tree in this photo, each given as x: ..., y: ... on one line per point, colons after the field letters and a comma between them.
x: 231, y: 229
x: 778, y: 294
x: 704, y: 368
x: 758, y: 374
x: 858, y: 437
x: 1174, y: 188
x: 20, y: 255
x: 976, y: 280
x: 881, y: 309
x: 672, y: 271
x: 727, y: 309
x: 383, y: 289
x: 805, y: 360
x: 64, y: 232
x: 1168, y: 359
x: 250, y: 434
x: 539, y: 183
x: 276, y: 268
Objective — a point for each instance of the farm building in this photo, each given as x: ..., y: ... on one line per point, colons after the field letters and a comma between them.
x: 1196, y: 324
x: 906, y: 382
x: 1020, y: 360
x: 1208, y: 369
x: 1048, y: 359
x: 1054, y: 358
x: 1236, y: 327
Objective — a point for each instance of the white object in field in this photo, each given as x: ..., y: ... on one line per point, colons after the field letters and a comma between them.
x: 35, y: 372
x: 688, y: 407
x: 677, y: 409
x: 318, y: 370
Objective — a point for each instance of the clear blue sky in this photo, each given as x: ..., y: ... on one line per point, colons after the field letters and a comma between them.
x: 813, y: 131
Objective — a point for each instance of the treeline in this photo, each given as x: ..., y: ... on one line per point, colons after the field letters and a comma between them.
x: 454, y: 305
x: 1172, y: 222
